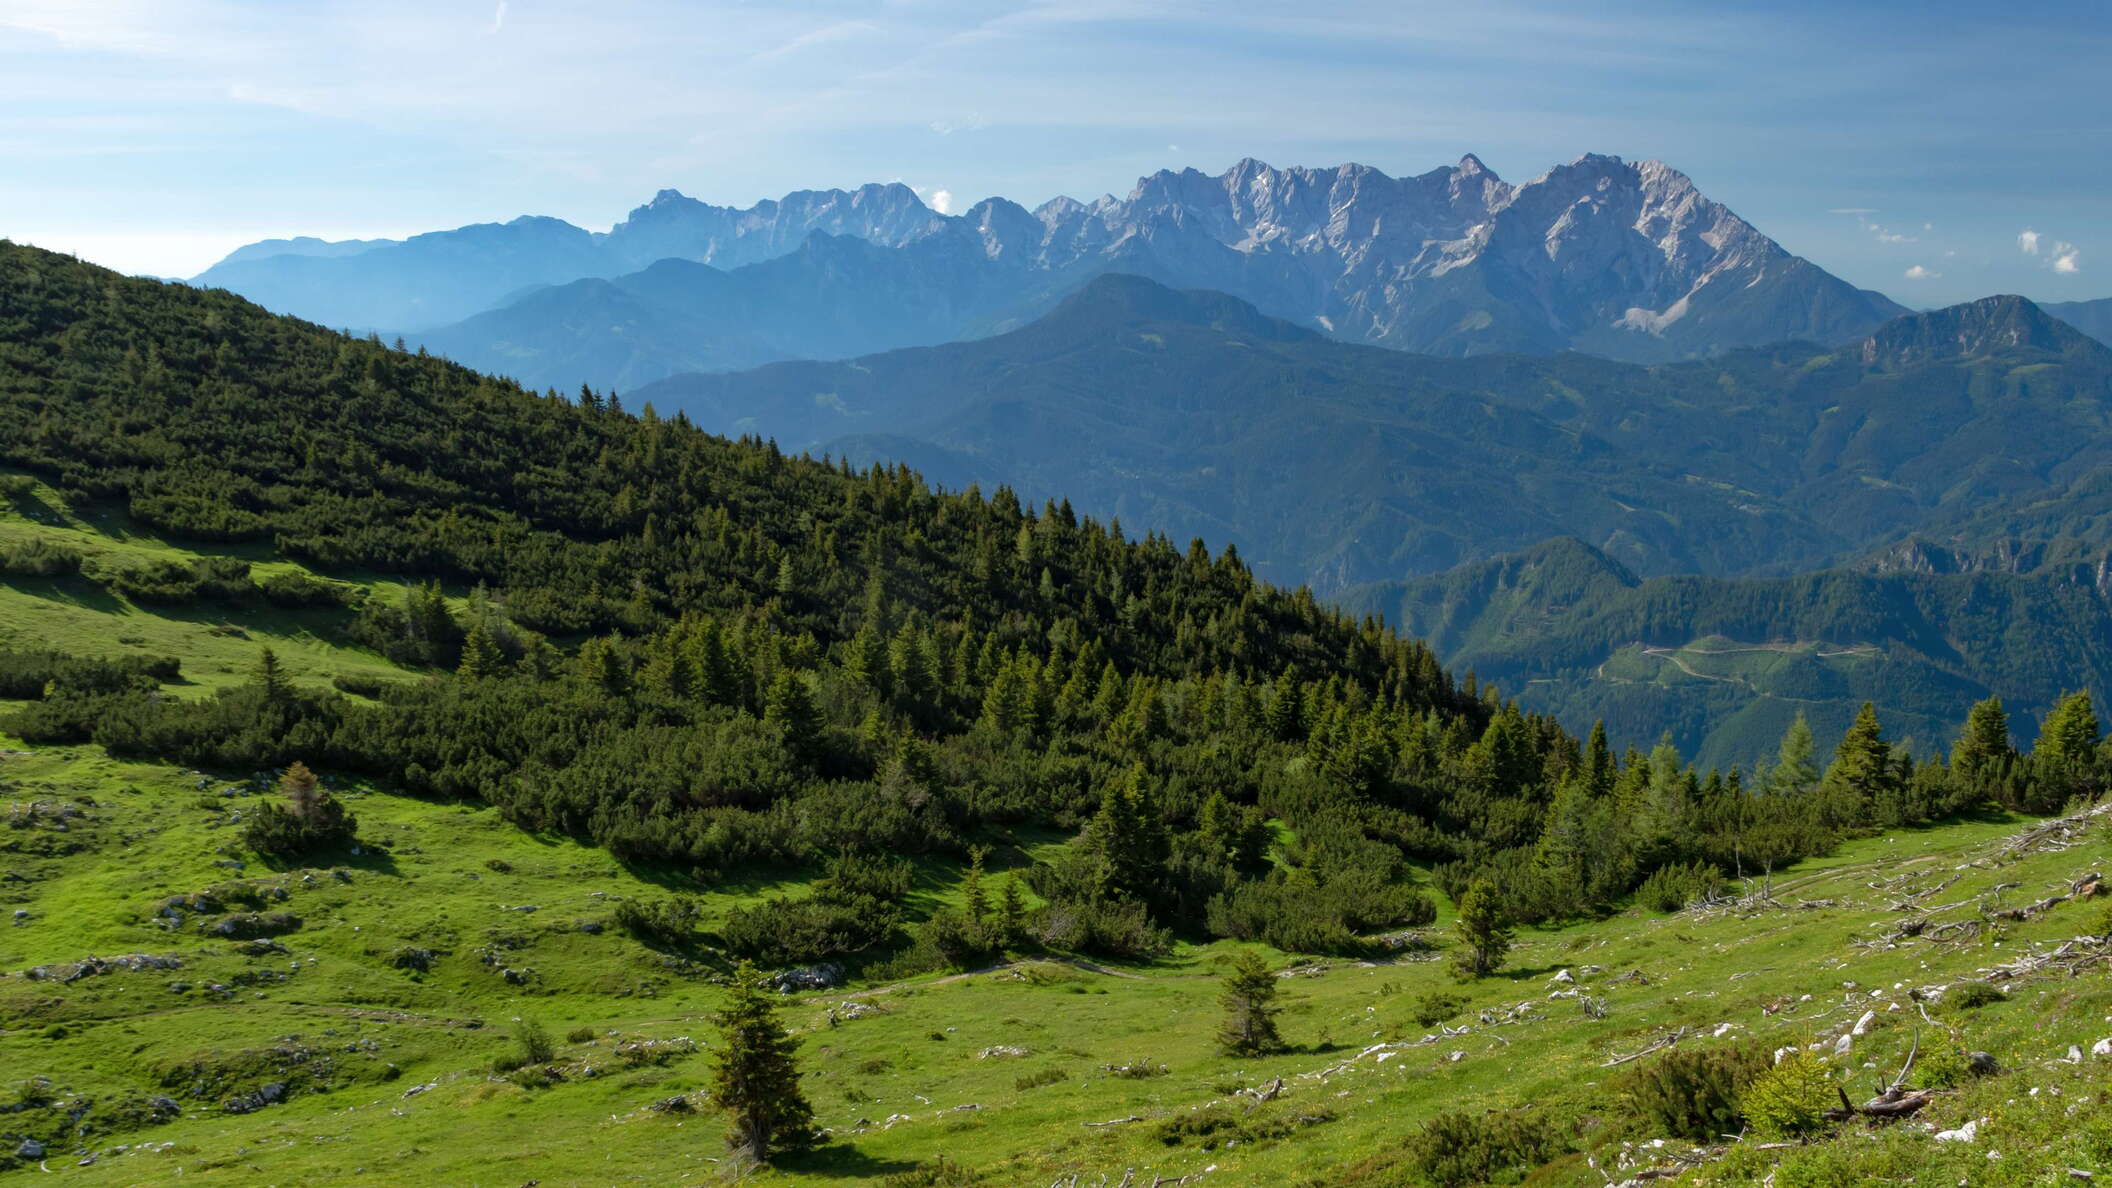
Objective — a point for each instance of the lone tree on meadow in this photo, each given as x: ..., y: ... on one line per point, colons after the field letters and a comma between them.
x: 1250, y: 1008
x: 756, y: 1079
x: 310, y: 820
x: 1484, y: 932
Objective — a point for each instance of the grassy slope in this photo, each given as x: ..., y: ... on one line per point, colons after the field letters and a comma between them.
x: 147, y: 837
x: 217, y: 644
x: 353, y: 1034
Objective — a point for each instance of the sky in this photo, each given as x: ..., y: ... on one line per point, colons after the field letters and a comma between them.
x: 1936, y: 151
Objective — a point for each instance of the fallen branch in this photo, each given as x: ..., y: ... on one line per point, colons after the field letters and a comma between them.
x: 1669, y: 1041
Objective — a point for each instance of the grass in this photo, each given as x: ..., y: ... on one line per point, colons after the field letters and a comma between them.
x: 217, y: 644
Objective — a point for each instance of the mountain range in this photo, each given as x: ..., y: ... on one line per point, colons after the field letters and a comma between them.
x: 1628, y: 260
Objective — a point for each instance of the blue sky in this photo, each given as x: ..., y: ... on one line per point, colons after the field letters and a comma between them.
x: 1906, y: 147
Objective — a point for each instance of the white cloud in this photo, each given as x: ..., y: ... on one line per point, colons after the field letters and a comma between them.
x: 2066, y: 258
x: 2028, y: 240
x: 941, y: 201
x: 498, y: 17
x: 973, y: 123
x: 1919, y: 273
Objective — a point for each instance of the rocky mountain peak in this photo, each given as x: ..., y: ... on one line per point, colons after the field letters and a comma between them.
x: 1976, y: 328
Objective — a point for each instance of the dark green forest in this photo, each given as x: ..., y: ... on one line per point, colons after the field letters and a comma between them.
x: 712, y: 658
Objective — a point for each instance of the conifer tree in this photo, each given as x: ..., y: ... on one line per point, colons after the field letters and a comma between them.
x: 755, y: 1077
x: 1984, y: 745
x: 1483, y: 932
x: 973, y: 895
x: 791, y: 709
x: 1249, y: 999
x: 1862, y: 773
x: 271, y: 676
x: 1795, y: 772
x: 1011, y: 912
x: 480, y: 656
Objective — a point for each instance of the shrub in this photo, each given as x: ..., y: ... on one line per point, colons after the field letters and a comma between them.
x: 1459, y: 1148
x: 669, y: 923
x: 1436, y: 1007
x: 532, y: 1040
x: 1971, y: 996
x: 1670, y: 888
x: 296, y: 589
x: 37, y: 557
x: 583, y: 1034
x: 1790, y: 1100
x: 1219, y: 1126
x: 1947, y: 1066
x: 310, y: 820
x: 1694, y: 1093
x: 1115, y: 929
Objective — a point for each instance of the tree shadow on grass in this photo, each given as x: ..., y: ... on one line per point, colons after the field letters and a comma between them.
x: 842, y: 1160
x: 72, y: 591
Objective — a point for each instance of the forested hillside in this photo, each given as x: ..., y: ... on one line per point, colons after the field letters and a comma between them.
x: 1331, y: 464
x: 1723, y: 665
x: 710, y: 655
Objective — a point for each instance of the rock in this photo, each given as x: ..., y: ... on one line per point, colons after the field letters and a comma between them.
x: 2075, y: 1055
x: 1843, y: 1044
x: 1862, y: 1025
x: 30, y: 1149
x: 1982, y: 1064
x: 590, y: 927
x: 823, y: 976
x: 2102, y: 1047
x: 1964, y: 1134
x: 1455, y: 1056
x: 1001, y: 1052
x: 1564, y: 978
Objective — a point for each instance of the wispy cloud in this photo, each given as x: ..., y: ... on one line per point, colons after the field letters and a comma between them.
x: 2028, y: 241
x: 498, y: 17
x: 2067, y: 259
x: 973, y: 122
x: 840, y: 31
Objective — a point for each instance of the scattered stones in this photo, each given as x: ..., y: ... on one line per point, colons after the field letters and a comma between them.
x: 250, y: 1103
x: 69, y: 972
x: 1964, y: 1134
x: 1002, y: 1052
x: 251, y: 925
x: 826, y: 975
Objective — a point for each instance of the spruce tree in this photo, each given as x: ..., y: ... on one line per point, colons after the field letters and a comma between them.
x: 480, y: 656
x: 1249, y: 998
x: 270, y: 676
x: 1483, y: 931
x: 1862, y: 774
x: 791, y: 709
x: 1011, y: 912
x: 973, y: 895
x: 1984, y: 744
x: 755, y: 1077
